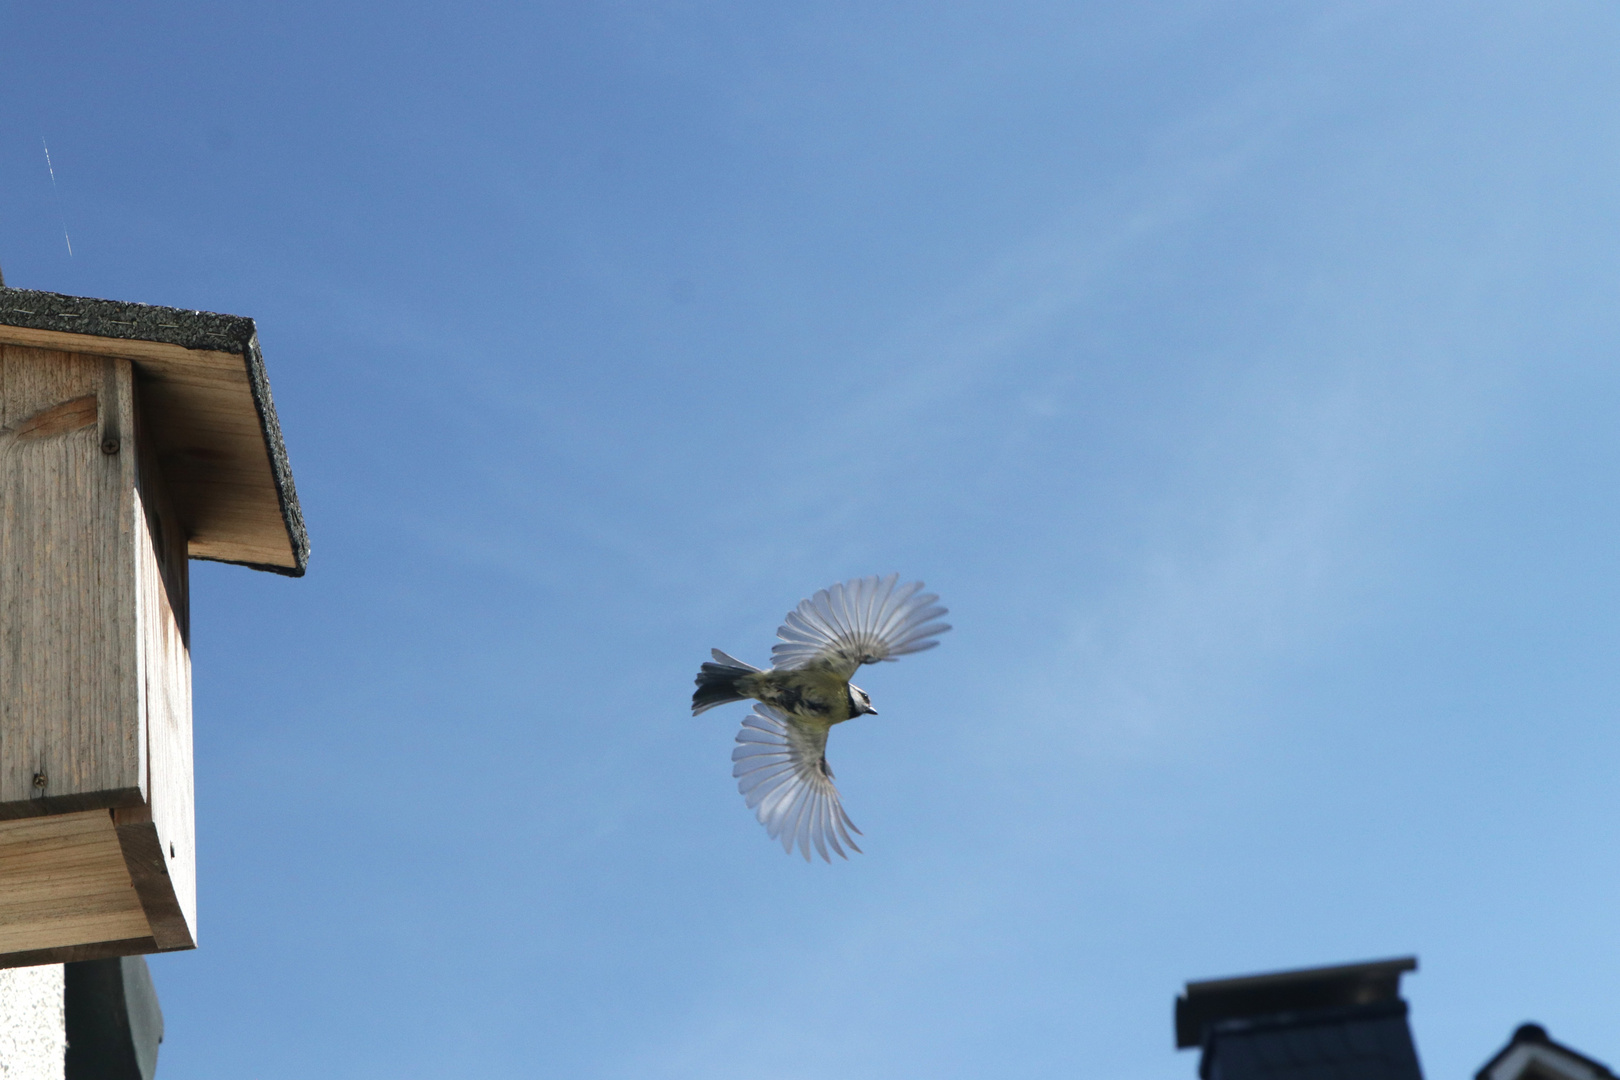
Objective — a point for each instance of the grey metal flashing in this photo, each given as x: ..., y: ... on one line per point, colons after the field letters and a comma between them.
x: 33, y: 309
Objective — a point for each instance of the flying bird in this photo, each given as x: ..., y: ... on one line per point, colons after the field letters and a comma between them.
x: 781, y: 762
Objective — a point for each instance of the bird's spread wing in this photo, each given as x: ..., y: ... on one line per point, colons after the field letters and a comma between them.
x: 781, y: 770
x: 858, y: 622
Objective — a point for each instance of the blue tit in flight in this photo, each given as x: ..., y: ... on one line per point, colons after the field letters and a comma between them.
x: 781, y: 762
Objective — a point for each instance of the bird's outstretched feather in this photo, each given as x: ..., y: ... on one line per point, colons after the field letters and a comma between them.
x: 860, y: 621
x: 781, y: 770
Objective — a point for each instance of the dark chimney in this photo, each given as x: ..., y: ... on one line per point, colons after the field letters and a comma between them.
x: 1346, y: 1022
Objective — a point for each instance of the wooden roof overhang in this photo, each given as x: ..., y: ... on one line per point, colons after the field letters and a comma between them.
x: 207, y: 410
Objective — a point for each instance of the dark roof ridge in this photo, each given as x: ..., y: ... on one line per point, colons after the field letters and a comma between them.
x: 35, y: 309
x: 1393, y: 966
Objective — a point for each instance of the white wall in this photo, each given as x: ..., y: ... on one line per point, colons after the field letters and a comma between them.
x: 33, y: 1034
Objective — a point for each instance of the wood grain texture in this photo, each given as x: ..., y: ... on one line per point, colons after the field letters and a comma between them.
x: 63, y: 884
x: 95, y: 665
x: 93, y: 345
x: 58, y: 419
x: 70, y: 675
x: 67, y: 954
x: 209, y: 437
x: 162, y: 850
x: 146, y: 857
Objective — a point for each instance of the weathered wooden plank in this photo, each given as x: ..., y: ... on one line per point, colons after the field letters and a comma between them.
x: 161, y: 851
x: 70, y: 703
x: 63, y: 884
x: 67, y: 954
x: 208, y: 438
x: 128, y: 349
x: 147, y: 858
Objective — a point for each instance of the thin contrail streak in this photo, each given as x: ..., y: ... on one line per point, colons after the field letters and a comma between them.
x: 57, y: 196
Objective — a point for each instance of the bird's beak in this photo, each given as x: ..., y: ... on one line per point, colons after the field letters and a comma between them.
x: 871, y: 711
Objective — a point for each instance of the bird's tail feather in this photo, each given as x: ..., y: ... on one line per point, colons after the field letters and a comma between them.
x: 717, y: 682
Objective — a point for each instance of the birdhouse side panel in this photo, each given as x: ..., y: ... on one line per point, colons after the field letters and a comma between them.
x: 71, y: 736
x: 162, y: 849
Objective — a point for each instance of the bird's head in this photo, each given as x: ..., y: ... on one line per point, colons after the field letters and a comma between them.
x: 863, y: 704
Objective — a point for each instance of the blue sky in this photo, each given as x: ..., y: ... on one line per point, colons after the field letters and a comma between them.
x: 1242, y: 375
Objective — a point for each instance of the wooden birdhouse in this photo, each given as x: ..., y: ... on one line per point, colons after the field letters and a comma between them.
x: 132, y: 439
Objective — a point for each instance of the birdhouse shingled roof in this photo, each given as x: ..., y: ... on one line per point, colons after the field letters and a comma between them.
x: 207, y: 414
